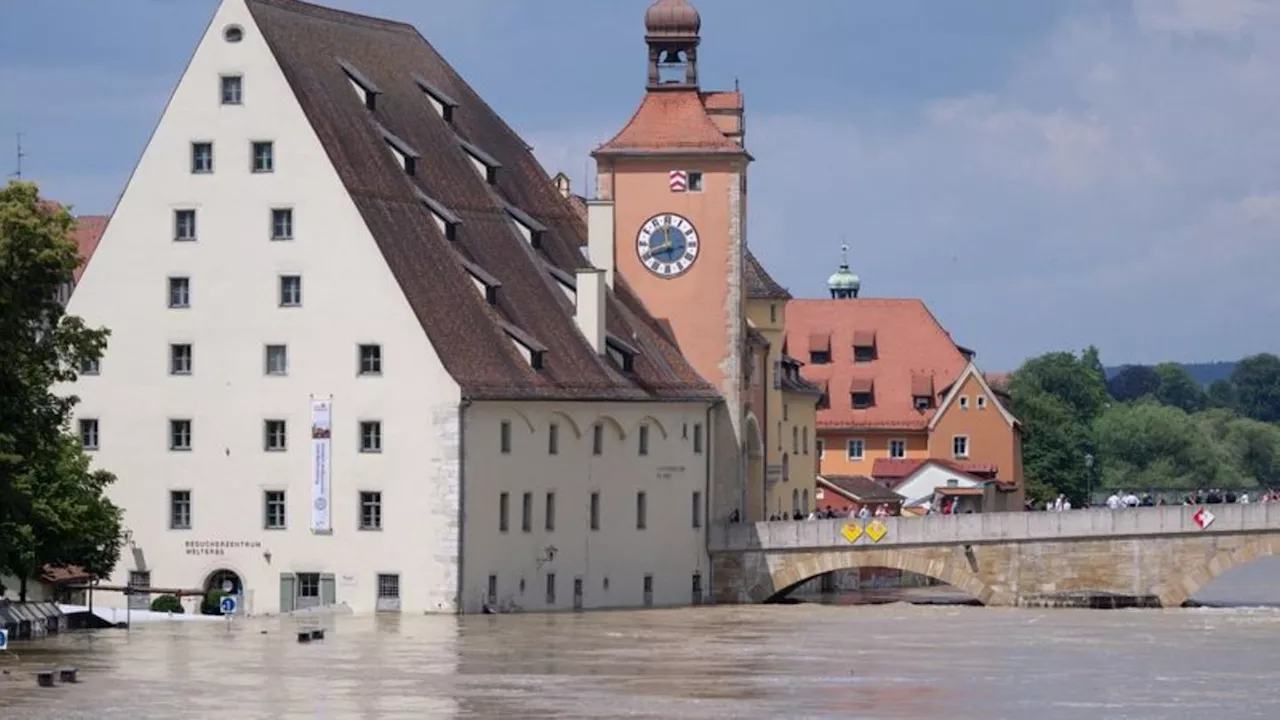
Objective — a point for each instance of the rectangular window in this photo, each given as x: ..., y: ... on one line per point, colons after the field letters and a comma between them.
x: 184, y: 225
x: 179, y: 509
x: 181, y: 359
x: 695, y: 181
x: 290, y: 290
x: 179, y: 434
x: 982, y: 402
x: 370, y: 359
x: 370, y: 436
x: 89, y: 434
x: 856, y: 449
x: 550, y: 524
x: 526, y: 512
x: 644, y: 439
x: 179, y: 292
x: 964, y: 402
x: 201, y: 157
x: 504, y: 437
x: 820, y: 447
x: 553, y: 439
x: 861, y: 400
x: 274, y: 509
x: 388, y: 586
x: 309, y: 587
x: 276, y: 360
x: 264, y: 156
x: 597, y: 439
x: 648, y: 590
x: 960, y: 447
x: 642, y: 510
x: 504, y: 511
x: 281, y: 224
x: 275, y: 436
x: 864, y: 353
x: 492, y: 595
x: 551, y: 588
x: 90, y: 366
x: 370, y: 511
x: 697, y: 509
x: 232, y: 90
x: 897, y: 449
x: 595, y: 510
x: 697, y: 588
x: 819, y: 357
x: 795, y: 440
x: 697, y: 438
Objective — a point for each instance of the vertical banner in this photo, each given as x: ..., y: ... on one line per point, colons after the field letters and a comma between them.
x: 322, y: 473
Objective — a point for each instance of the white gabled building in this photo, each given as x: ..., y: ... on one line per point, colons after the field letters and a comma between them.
x: 358, y: 355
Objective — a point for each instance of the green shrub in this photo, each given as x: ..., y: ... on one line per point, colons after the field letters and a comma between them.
x: 167, y: 604
x: 211, y: 605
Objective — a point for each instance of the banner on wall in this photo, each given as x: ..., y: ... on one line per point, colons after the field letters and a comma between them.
x: 322, y: 468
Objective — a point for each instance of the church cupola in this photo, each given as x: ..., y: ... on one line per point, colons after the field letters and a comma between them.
x: 671, y: 31
x: 843, y: 284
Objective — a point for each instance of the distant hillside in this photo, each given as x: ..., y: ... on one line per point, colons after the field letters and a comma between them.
x: 1205, y: 373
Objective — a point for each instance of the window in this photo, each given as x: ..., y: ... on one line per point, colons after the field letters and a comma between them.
x: 786, y: 414
x: 179, y: 292
x: 795, y: 439
x: 370, y: 359
x: 595, y: 510
x: 290, y: 290
x: 864, y: 353
x: 697, y: 509
x: 275, y: 436
x: 281, y: 224
x: 179, y: 509
x: 773, y: 314
x: 960, y: 447
x: 856, y: 449
x: 695, y: 181
x: 232, y: 90
x: 550, y: 524
x: 179, y: 434
x: 804, y: 439
x: 819, y: 357
x: 276, y: 360
x: 370, y: 436
x: 551, y: 588
x: 89, y: 434
x: 597, y: 439
x: 923, y: 402
x: 642, y: 510
x: 201, y: 157
x: 309, y: 587
x: 388, y: 586
x: 786, y: 467
x: 370, y: 510
x: 233, y: 33
x: 526, y: 512
x: 982, y: 402
x: 897, y: 449
x: 504, y: 511
x: 492, y: 595
x: 697, y: 588
x: 553, y: 439
x: 648, y: 590
x: 504, y: 437
x: 697, y: 438
x: 964, y: 402
x: 264, y: 157
x: 824, y: 401
x: 861, y: 400
x: 644, y: 439
x: 820, y: 446
x: 181, y: 359
x: 184, y: 225
x: 90, y: 366
x: 274, y: 509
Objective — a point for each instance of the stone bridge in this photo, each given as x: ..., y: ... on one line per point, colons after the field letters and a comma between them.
x: 1013, y: 558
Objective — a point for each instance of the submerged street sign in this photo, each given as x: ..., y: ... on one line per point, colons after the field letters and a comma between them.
x: 228, y: 605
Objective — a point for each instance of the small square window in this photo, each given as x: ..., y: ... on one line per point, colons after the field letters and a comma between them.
x: 504, y: 437
x: 179, y: 292
x: 370, y: 436
x: 232, y: 90
x: 264, y: 156
x: 179, y: 434
x: 695, y: 181
x: 864, y: 353
x: 964, y: 402
x: 201, y: 157
x: 89, y: 434
x: 370, y: 359
x: 274, y: 510
x: 184, y: 225
x: 277, y: 360
x: 179, y: 509
x: 90, y: 366
x: 275, y: 436
x: 181, y: 359
x: 282, y: 224
x: 982, y: 402
x: 290, y: 290
x: 370, y: 511
x: 862, y: 400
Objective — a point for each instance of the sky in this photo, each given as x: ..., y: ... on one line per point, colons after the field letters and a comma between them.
x: 1046, y: 175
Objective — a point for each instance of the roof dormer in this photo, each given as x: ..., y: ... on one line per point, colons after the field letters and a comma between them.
x: 623, y: 354
x: 444, y: 217
x: 922, y: 392
x: 864, y: 346
x: 530, y: 229
x: 361, y: 83
x: 862, y: 393
x: 485, y: 163
x: 443, y: 104
x: 487, y: 284
x: 534, y: 352
x: 403, y: 152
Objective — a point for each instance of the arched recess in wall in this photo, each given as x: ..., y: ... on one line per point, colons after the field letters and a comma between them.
x: 755, y: 441
x: 653, y: 422
x: 611, y: 421
x: 528, y: 423
x: 796, y: 570
x: 568, y: 419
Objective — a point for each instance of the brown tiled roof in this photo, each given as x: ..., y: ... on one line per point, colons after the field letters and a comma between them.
x: 909, y: 343
x: 670, y: 121
x: 87, y: 232
x: 899, y: 469
x: 798, y: 383
x: 57, y: 574
x: 860, y: 488
x: 470, y: 335
x: 760, y: 285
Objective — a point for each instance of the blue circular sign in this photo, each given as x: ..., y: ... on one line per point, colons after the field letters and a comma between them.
x: 228, y: 605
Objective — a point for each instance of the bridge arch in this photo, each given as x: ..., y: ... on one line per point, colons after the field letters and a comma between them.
x: 1185, y: 584
x: 792, y: 570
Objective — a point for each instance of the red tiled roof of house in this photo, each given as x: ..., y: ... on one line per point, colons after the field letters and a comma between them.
x: 670, y: 121
x: 900, y: 469
x: 909, y: 343
x: 56, y: 574
x: 722, y: 100
x: 87, y: 232
x: 860, y: 488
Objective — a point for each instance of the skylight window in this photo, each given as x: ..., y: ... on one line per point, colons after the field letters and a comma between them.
x: 364, y: 87
x: 442, y: 103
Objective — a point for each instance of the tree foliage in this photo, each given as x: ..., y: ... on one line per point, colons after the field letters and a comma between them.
x: 53, y: 508
x: 1133, y: 382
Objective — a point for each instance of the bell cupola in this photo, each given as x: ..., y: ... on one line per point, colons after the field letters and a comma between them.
x: 843, y: 284
x: 671, y: 30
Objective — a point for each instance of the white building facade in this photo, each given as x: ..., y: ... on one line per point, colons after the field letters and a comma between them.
x: 347, y: 368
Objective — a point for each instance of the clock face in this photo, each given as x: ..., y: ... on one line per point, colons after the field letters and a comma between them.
x: 667, y: 245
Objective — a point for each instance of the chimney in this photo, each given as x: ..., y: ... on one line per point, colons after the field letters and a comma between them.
x: 600, y: 237
x: 589, y: 307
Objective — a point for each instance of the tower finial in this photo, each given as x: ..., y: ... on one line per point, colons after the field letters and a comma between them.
x: 671, y: 30
x: 843, y: 284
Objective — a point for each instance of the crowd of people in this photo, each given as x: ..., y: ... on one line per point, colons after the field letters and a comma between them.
x: 1121, y: 499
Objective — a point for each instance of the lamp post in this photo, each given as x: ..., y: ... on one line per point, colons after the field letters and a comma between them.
x: 1088, y: 478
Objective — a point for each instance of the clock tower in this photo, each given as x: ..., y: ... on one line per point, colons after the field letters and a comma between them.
x: 676, y: 176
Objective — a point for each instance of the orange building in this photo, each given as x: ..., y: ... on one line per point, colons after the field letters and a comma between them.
x: 896, y: 386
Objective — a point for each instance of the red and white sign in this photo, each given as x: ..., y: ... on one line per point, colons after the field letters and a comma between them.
x: 1203, y: 518
x: 678, y: 180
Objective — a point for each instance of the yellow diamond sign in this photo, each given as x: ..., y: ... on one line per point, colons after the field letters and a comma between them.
x: 876, y: 530
x: 851, y: 532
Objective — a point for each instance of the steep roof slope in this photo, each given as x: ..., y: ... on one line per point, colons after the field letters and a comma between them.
x: 759, y: 283
x: 670, y: 121
x: 86, y: 234
x: 312, y: 44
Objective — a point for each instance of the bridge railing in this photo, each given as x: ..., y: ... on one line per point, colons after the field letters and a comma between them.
x: 992, y: 527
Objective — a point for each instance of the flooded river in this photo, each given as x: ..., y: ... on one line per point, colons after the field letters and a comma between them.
x: 819, y: 661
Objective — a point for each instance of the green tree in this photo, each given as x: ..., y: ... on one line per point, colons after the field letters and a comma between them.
x: 1133, y: 382
x: 53, y: 509
x: 1257, y: 384
x: 1178, y: 389
x: 1222, y: 394
x: 1146, y: 445
x: 1245, y: 448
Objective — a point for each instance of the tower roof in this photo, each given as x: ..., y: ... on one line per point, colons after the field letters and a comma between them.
x: 760, y: 285
x: 844, y: 278
x: 670, y: 121
x: 671, y: 19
